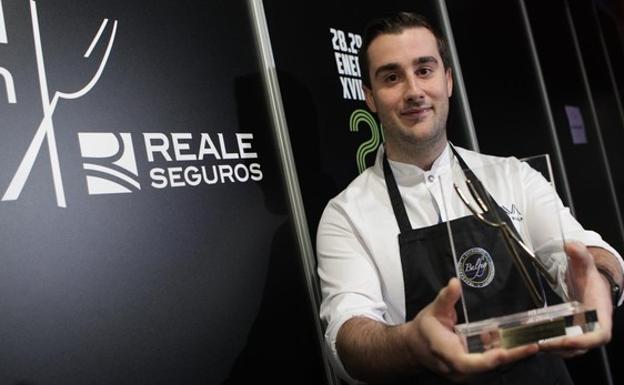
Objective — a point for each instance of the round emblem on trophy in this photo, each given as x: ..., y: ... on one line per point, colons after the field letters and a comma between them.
x: 476, y: 268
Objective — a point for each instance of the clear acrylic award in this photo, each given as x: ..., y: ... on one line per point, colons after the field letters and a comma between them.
x: 504, y: 271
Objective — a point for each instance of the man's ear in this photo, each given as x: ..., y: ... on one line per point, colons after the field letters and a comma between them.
x: 449, y: 81
x: 370, y: 99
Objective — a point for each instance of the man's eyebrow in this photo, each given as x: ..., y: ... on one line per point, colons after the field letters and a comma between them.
x: 425, y: 60
x: 394, y: 66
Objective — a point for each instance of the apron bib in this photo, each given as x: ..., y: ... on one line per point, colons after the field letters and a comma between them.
x: 491, y: 284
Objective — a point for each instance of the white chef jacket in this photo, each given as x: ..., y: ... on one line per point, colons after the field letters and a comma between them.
x: 359, y: 264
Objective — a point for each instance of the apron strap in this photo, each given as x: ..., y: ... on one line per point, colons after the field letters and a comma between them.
x: 476, y: 183
x: 395, y: 198
x: 399, y: 207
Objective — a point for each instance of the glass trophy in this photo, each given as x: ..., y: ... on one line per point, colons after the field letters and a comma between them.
x: 506, y: 251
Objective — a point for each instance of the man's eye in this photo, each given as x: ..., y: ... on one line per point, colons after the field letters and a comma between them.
x: 425, y: 71
x: 391, y: 78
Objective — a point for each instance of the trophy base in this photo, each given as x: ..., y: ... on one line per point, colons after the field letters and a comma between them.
x: 566, y: 319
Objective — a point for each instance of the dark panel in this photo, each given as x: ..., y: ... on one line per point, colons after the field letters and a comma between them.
x: 613, y: 32
x: 501, y: 81
x: 603, y: 90
x: 190, y: 276
x: 586, y: 169
x: 283, y: 334
x: 582, y: 155
x: 615, y: 46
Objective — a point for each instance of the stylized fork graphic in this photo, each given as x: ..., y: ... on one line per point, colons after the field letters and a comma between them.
x: 46, y: 127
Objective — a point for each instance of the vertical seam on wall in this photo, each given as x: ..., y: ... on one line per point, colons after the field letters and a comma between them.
x: 605, y: 52
x: 547, y: 107
x: 287, y: 165
x: 459, y: 79
x: 592, y: 108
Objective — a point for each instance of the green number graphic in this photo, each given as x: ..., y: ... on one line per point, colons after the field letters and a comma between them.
x: 362, y: 116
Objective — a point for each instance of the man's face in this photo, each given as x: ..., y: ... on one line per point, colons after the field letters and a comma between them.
x: 410, y: 89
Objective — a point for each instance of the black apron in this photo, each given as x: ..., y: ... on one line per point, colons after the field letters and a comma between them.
x: 491, y: 284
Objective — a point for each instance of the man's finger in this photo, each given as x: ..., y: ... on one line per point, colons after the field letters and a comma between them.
x: 476, y: 363
x: 576, y: 343
x: 447, y: 298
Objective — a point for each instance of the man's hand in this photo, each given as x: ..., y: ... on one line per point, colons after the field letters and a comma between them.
x: 436, y: 346
x: 588, y: 286
x: 375, y: 352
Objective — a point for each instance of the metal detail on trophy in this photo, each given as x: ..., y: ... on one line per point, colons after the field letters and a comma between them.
x: 502, y: 270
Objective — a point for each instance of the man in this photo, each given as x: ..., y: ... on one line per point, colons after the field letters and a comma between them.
x: 389, y: 305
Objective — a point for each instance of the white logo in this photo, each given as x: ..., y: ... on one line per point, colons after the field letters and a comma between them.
x: 119, y: 152
x: 476, y: 268
x: 6, y: 75
x: 346, y: 47
x: 3, y: 34
x: 514, y: 213
x: 46, y: 127
x: 177, y: 159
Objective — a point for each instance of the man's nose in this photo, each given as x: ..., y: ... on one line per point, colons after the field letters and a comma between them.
x: 413, y: 88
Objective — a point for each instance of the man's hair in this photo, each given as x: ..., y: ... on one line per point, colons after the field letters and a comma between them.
x: 396, y: 23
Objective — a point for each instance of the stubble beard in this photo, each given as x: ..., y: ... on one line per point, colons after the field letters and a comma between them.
x: 410, y: 147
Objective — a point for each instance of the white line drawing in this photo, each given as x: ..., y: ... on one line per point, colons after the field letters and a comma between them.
x: 3, y: 33
x: 46, y: 127
x: 121, y: 166
x: 96, y: 39
x: 116, y: 174
x: 8, y: 78
x: 10, y: 86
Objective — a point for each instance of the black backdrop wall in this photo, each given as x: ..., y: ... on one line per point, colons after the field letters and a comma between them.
x: 145, y: 232
x: 168, y: 256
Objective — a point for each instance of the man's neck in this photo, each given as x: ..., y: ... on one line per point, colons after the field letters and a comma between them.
x: 421, y: 155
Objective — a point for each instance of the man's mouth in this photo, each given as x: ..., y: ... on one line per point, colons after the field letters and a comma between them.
x: 416, y: 113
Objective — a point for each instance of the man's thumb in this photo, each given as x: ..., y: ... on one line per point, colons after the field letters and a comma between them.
x: 447, y: 298
x: 580, y: 258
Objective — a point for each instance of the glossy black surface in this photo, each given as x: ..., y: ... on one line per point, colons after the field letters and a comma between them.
x: 585, y: 166
x: 501, y: 80
x: 178, y: 285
